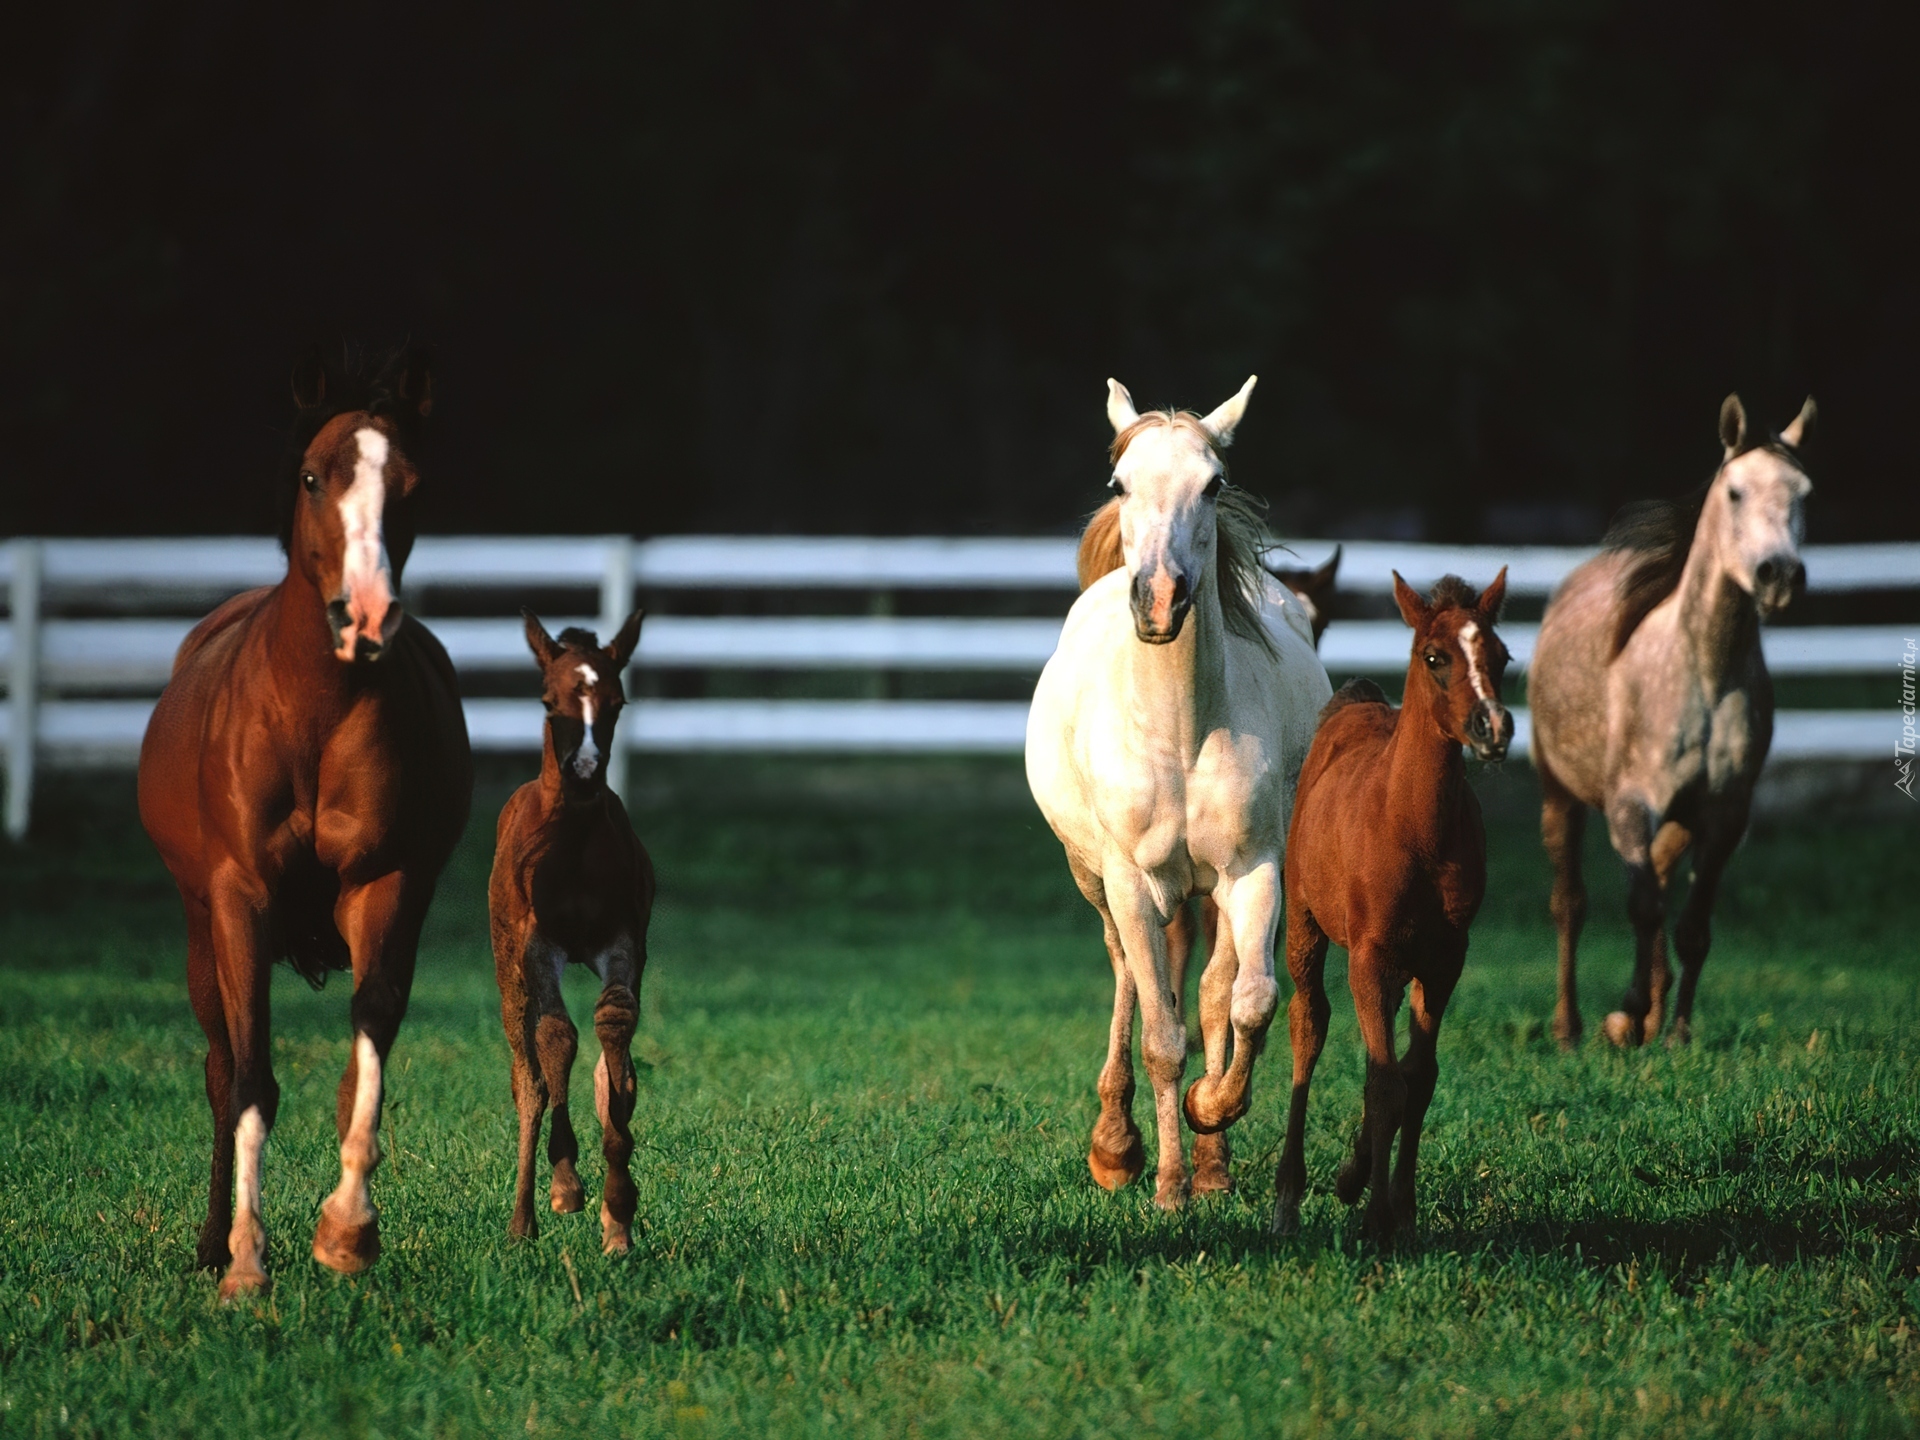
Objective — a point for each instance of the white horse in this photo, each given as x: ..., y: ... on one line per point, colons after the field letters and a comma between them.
x: 1163, y: 746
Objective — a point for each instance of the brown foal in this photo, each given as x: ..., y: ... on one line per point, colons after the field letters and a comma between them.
x: 572, y: 885
x: 1387, y: 857
x: 305, y: 776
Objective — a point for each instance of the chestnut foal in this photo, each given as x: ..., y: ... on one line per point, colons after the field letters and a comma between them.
x: 571, y: 884
x: 1387, y: 857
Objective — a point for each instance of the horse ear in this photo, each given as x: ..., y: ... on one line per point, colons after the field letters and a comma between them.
x: 623, y: 643
x: 1733, y: 425
x: 310, y: 380
x: 1226, y: 417
x: 1413, y: 609
x: 414, y: 385
x: 1120, y: 411
x: 1494, y: 597
x: 545, y: 648
x: 1795, y: 433
x: 1320, y: 582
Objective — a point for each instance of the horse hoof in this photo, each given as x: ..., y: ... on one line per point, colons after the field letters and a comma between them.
x: 525, y: 1227
x: 616, y: 1240
x: 1205, y: 1114
x: 239, y: 1284
x: 1116, y: 1172
x: 1620, y: 1029
x: 1680, y: 1036
x: 568, y: 1199
x: 349, y: 1249
x: 1211, y: 1157
x: 213, y: 1255
x: 1350, y: 1183
x: 1171, y: 1195
x: 1286, y: 1218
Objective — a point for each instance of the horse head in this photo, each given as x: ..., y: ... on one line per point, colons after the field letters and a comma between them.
x: 1755, y: 508
x: 351, y: 527
x: 1462, y: 660
x: 1168, y: 475
x: 580, y: 686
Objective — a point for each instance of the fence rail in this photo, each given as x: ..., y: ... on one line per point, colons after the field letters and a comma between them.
x: 57, y: 665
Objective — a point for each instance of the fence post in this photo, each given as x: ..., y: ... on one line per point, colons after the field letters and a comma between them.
x: 23, y: 686
x: 616, y: 600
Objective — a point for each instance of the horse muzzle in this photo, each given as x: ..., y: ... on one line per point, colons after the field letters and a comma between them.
x: 1490, y: 730
x: 1161, y: 602
x: 358, y: 638
x: 1778, y: 581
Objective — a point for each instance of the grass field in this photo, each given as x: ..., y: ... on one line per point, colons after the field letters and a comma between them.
x: 870, y: 1033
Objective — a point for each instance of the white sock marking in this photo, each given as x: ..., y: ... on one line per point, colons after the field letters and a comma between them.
x: 249, y: 1140
x: 360, y: 1150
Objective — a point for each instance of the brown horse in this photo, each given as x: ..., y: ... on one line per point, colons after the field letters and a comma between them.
x: 305, y: 776
x: 1387, y: 857
x: 1651, y: 703
x: 571, y: 884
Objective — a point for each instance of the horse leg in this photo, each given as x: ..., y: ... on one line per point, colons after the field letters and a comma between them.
x: 517, y: 1011
x: 1116, y: 1156
x: 1421, y: 1069
x: 615, y: 1018
x: 1163, y: 1038
x: 203, y: 990
x: 1307, y: 1015
x: 1212, y: 1153
x: 1670, y: 842
x: 237, y: 930
x: 1375, y: 1002
x: 1563, y: 826
x: 1694, y: 933
x: 1630, y: 828
x: 380, y: 921
x: 1250, y: 907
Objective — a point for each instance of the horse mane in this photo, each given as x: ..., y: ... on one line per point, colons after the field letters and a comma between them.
x: 574, y: 635
x: 1357, y: 691
x: 357, y: 378
x: 1452, y: 593
x: 1657, y: 534
x: 1240, y: 536
x: 1100, y: 544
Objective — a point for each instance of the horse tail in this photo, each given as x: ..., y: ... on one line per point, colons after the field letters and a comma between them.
x: 1100, y: 544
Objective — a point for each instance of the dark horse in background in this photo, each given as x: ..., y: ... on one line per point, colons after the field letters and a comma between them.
x: 305, y: 776
x: 1652, y: 704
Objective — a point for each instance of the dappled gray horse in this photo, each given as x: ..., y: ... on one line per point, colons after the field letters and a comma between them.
x: 1651, y: 702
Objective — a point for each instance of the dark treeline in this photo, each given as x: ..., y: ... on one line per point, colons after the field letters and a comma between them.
x: 858, y: 266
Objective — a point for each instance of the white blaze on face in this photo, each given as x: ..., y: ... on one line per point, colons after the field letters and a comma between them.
x: 364, y: 574
x: 587, y: 758
x: 1474, y: 646
x: 360, y: 1150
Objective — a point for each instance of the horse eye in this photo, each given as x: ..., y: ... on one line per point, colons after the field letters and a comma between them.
x: 1116, y: 487
x: 310, y: 480
x: 1733, y: 493
x: 1212, y: 492
x: 1436, y: 659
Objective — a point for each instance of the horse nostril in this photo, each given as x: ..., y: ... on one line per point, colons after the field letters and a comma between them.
x: 1179, y: 590
x: 1766, y: 572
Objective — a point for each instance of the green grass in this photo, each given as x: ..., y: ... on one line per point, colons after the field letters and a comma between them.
x: 870, y: 1032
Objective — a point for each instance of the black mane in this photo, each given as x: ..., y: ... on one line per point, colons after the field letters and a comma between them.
x: 574, y: 635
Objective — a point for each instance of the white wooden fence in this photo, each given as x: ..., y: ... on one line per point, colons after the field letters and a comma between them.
x: 57, y: 664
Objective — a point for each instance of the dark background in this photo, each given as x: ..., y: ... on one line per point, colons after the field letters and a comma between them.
x: 865, y: 266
